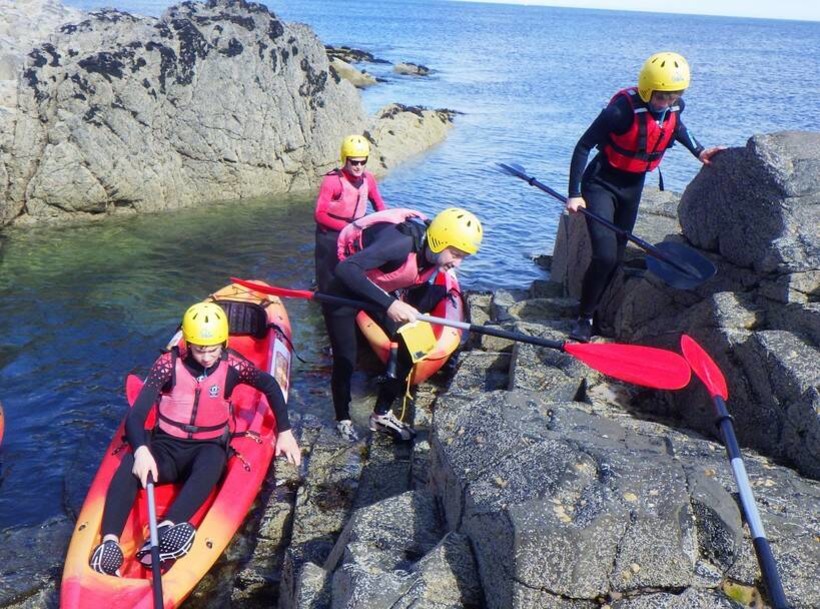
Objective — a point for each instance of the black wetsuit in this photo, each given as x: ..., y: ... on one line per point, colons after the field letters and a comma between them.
x: 386, y: 247
x: 199, y: 463
x: 611, y: 193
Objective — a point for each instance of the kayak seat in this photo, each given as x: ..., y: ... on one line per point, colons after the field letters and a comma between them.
x: 245, y: 318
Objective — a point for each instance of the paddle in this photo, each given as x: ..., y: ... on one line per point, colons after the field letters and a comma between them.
x: 646, y: 366
x: 156, y: 575
x: 676, y: 264
x: 133, y: 386
x: 708, y: 372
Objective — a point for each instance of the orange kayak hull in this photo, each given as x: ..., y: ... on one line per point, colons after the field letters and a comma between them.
x: 447, y: 339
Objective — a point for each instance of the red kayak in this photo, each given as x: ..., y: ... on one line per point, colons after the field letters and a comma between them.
x: 447, y: 339
x: 260, y: 330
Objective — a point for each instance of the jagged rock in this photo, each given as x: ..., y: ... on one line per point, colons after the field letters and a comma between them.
x: 478, y: 371
x: 563, y: 507
x: 542, y: 309
x: 118, y: 114
x: 323, y: 504
x: 402, y: 132
x: 759, y: 206
x: 350, y: 55
x: 756, y: 209
x: 718, y: 518
x: 391, y: 554
x: 412, y: 69
x: 24, y: 24
x: 358, y: 78
x: 121, y: 113
x: 27, y: 578
x: 690, y: 599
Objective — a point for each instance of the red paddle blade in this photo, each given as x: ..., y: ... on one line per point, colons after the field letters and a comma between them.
x: 645, y: 366
x: 704, y: 367
x: 272, y: 289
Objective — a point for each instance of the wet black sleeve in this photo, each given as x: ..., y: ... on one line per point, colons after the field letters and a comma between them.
x: 390, y: 249
x: 244, y: 372
x: 160, y: 375
x: 683, y: 135
x: 615, y: 118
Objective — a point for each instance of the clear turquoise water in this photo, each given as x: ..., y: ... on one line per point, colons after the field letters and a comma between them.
x: 81, y: 307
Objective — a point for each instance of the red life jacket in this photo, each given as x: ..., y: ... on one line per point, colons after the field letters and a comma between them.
x: 195, y: 408
x: 352, y: 203
x: 407, y: 275
x: 641, y: 148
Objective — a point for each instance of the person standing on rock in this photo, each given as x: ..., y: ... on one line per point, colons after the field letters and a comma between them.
x: 396, y: 249
x: 194, y: 456
x: 343, y: 197
x: 632, y: 133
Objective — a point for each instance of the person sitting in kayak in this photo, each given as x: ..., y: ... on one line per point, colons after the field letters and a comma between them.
x: 632, y: 134
x: 343, y: 197
x: 189, y: 444
x: 380, y: 254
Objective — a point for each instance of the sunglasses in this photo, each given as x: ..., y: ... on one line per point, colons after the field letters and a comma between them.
x: 357, y: 163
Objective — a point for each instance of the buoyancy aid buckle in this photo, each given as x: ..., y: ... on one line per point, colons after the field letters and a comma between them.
x: 193, y: 428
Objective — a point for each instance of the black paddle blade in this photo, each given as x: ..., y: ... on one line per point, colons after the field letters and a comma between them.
x: 515, y: 169
x: 694, y: 267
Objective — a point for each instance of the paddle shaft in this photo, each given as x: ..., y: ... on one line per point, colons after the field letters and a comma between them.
x: 441, y: 321
x: 617, y: 229
x: 156, y: 579
x: 765, y: 558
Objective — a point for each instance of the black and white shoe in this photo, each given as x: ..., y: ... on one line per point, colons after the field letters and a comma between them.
x: 391, y: 424
x: 581, y: 330
x: 175, y: 541
x: 107, y: 558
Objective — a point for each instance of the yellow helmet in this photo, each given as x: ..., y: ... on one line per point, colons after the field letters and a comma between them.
x: 664, y: 71
x: 354, y: 145
x: 205, y: 324
x: 455, y: 227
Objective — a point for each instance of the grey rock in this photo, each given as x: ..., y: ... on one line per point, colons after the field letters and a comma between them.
x: 753, y: 213
x: 411, y: 69
x: 351, y: 55
x: 487, y: 371
x: 564, y: 507
x: 31, y: 573
x: 118, y: 114
x: 759, y: 206
x: 690, y: 599
x: 719, y: 527
x: 358, y: 78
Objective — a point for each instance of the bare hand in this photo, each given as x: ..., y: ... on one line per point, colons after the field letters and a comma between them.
x: 143, y: 465
x: 706, y: 155
x: 575, y: 203
x: 401, y: 312
x: 286, y: 445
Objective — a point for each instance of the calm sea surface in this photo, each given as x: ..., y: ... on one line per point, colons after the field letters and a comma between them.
x: 81, y: 307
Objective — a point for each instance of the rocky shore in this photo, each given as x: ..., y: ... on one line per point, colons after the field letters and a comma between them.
x: 535, y: 482
x: 111, y: 113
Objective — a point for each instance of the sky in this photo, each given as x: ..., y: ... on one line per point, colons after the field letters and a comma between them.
x: 804, y: 10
